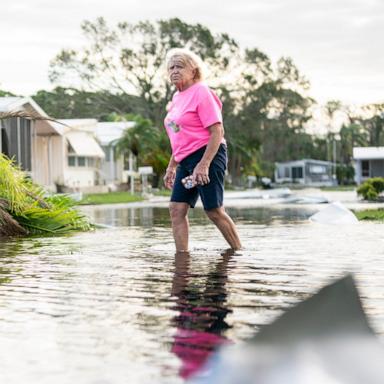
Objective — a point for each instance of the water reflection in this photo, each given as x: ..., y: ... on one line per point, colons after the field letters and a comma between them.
x: 159, y: 216
x: 201, y: 302
x: 8, y: 251
x: 144, y: 217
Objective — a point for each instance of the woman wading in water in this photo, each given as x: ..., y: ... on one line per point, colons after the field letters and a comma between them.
x: 199, y: 152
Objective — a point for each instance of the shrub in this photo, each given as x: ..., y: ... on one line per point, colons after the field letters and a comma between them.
x: 345, y: 174
x: 26, y: 210
x: 371, y: 188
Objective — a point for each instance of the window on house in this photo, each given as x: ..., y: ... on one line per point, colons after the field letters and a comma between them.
x: 365, y: 168
x: 81, y: 161
x: 25, y: 143
x: 71, y: 161
x: 317, y: 169
x: 14, y: 139
x: 4, y: 141
x: 90, y: 162
x: 297, y: 172
x: 286, y: 172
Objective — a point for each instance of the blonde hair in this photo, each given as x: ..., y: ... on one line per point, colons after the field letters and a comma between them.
x: 189, y: 58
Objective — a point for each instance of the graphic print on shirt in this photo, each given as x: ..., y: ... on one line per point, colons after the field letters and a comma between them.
x: 172, y: 125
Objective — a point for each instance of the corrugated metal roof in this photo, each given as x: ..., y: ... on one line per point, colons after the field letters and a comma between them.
x: 88, y: 125
x: 79, y: 123
x: 9, y: 103
x: 108, y: 132
x: 302, y: 161
x: 368, y: 153
x: 15, y: 104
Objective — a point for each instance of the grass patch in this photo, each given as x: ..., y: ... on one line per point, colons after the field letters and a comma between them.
x: 371, y: 214
x: 162, y: 192
x: 110, y: 198
x: 340, y: 188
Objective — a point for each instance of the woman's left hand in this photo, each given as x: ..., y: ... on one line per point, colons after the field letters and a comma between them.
x: 200, y: 174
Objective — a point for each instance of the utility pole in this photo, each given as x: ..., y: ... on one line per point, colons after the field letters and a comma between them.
x: 334, y: 158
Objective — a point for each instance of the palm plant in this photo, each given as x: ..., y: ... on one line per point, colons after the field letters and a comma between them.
x: 149, y: 144
x: 24, y: 208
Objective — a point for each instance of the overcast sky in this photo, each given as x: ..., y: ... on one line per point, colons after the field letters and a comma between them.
x: 337, y: 44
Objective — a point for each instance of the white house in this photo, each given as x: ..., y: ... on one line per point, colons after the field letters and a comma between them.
x: 69, y: 154
x: 306, y: 172
x: 113, y: 166
x: 81, y: 155
x: 368, y: 162
x: 32, y: 144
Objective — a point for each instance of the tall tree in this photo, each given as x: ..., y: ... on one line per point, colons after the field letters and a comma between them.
x: 263, y: 103
x: 276, y: 109
x: 70, y: 103
x: 351, y: 135
x: 129, y: 58
x: 374, y: 123
x: 6, y: 93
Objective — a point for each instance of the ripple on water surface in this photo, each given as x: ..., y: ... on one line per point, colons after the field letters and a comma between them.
x: 116, y: 306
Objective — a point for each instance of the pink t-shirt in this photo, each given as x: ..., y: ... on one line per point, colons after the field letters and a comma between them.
x: 190, y: 114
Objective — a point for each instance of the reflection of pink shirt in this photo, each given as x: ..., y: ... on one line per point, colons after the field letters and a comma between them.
x: 194, y: 347
x: 190, y: 114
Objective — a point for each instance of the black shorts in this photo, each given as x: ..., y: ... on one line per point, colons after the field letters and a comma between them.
x: 211, y: 194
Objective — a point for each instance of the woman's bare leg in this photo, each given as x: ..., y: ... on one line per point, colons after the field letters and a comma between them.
x: 225, y: 225
x: 180, y: 225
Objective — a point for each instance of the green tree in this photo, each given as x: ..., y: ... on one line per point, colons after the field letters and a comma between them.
x: 374, y: 124
x: 271, y: 111
x: 264, y: 104
x: 345, y: 174
x: 330, y: 109
x: 129, y: 58
x: 279, y: 109
x: 245, y: 97
x: 70, y: 103
x: 6, y: 93
x: 147, y: 143
x: 352, y: 135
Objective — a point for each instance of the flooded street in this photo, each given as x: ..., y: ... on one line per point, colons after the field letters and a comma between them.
x: 114, y: 306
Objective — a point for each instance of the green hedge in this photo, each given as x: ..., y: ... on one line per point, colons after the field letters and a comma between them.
x: 371, y: 188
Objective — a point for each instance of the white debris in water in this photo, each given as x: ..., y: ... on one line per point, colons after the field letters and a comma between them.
x: 334, y: 213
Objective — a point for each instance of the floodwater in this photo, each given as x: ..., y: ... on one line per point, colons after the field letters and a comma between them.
x: 115, y: 306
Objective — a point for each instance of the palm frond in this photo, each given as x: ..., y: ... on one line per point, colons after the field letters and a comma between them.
x: 29, y: 115
x: 25, y: 208
x: 8, y: 225
x: 12, y: 184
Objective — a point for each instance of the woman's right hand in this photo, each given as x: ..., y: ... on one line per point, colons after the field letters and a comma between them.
x: 169, y: 177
